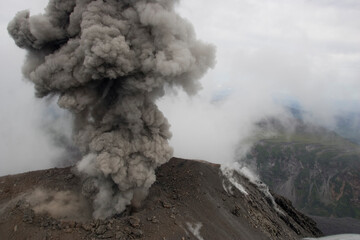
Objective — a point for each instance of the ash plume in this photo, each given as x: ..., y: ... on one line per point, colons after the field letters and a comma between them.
x: 108, y: 62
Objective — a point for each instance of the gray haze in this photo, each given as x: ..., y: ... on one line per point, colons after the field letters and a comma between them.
x: 108, y: 62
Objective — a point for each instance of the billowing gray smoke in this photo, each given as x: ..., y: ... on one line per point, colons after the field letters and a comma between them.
x: 108, y: 61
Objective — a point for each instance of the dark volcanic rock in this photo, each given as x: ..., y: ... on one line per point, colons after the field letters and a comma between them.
x: 188, y: 201
x: 303, y: 220
x: 134, y: 222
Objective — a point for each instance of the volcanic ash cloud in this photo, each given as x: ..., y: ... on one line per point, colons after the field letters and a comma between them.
x: 108, y: 61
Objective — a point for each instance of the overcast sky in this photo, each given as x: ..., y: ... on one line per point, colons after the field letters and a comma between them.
x: 301, y: 50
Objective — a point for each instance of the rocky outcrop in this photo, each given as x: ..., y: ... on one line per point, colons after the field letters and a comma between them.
x: 188, y: 201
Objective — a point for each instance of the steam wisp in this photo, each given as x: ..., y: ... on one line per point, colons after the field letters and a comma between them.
x: 108, y: 61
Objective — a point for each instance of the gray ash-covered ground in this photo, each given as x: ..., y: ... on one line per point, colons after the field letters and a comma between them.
x: 188, y: 201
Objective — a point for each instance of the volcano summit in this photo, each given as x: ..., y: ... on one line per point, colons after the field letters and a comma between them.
x: 107, y: 61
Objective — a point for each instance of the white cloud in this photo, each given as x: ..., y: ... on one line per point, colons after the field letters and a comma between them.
x: 306, y: 50
x: 25, y: 145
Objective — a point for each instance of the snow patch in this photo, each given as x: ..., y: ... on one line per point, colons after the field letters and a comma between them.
x: 194, y: 228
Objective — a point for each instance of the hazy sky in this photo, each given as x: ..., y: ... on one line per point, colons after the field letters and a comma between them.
x: 301, y: 50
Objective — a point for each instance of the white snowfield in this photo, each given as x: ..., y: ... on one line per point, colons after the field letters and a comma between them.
x: 338, y: 237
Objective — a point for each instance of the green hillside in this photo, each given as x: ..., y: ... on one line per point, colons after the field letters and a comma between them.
x: 317, y: 169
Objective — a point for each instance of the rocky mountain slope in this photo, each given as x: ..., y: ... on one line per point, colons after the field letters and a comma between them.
x: 316, y: 169
x: 190, y: 200
x: 348, y: 126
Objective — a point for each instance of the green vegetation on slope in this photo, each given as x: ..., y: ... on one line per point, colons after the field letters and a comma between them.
x: 318, y: 170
